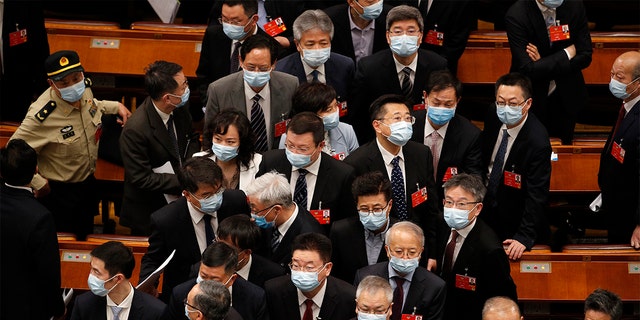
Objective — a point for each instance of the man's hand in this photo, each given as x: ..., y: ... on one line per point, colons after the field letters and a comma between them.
x: 432, y: 264
x: 571, y: 50
x: 284, y: 42
x: 515, y: 249
x: 124, y: 114
x: 635, y: 238
x: 533, y: 53
x: 45, y: 190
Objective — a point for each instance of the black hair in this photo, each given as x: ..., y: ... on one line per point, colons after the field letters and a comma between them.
x: 443, y: 79
x: 199, y: 170
x: 220, y: 254
x: 377, y: 108
x: 606, y: 302
x: 220, y: 125
x: 313, y: 241
x: 259, y: 41
x: 518, y: 80
x: 158, y: 78
x: 307, y: 122
x: 239, y: 228
x: 312, y: 97
x: 371, y: 184
x: 18, y: 162
x: 117, y: 258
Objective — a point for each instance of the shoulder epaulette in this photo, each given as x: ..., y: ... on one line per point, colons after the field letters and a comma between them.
x: 87, y: 82
x: 46, y: 110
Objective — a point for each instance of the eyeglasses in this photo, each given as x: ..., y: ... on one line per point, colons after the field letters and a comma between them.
x: 233, y: 22
x: 295, y: 267
x: 256, y: 68
x: 265, y: 209
x: 408, y: 253
x: 451, y: 204
x: 190, y: 306
x: 514, y: 106
x: 300, y: 150
x: 399, y: 32
x: 375, y: 211
x: 220, y: 191
x: 398, y: 118
x: 373, y: 311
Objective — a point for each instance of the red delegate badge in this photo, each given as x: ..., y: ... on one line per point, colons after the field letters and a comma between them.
x: 512, y: 179
x: 343, y: 108
x: 451, y: 171
x: 617, y: 152
x: 419, y: 106
x: 281, y: 127
x: 559, y: 33
x: 419, y: 197
x: 323, y: 216
x: 434, y: 38
x: 17, y: 37
x: 411, y: 317
x: 465, y: 282
x: 275, y: 27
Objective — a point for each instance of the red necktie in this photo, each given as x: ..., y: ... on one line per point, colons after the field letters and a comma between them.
x: 448, y: 253
x: 398, y: 297
x: 308, y: 312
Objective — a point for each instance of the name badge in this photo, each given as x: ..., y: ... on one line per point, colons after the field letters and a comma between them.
x: 451, y: 171
x: 274, y: 27
x: 465, y: 282
x: 411, y: 317
x: 281, y: 127
x: 98, y: 133
x: 559, y: 33
x: 323, y: 216
x: 419, y: 197
x: 17, y: 37
x: 339, y: 156
x: 617, y: 152
x: 419, y: 106
x: 512, y: 179
x: 434, y: 38
x: 343, y: 108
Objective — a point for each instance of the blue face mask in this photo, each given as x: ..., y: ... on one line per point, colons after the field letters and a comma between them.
x: 372, y: 222
x: 316, y: 57
x: 372, y: 316
x: 299, y: 160
x: 72, y: 93
x: 331, y: 120
x: 256, y: 78
x: 401, y: 132
x: 186, y: 311
x: 234, y: 32
x: 552, y: 3
x: 97, y: 286
x: 440, y: 115
x: 457, y: 218
x: 224, y: 153
x: 305, y: 281
x: 211, y: 204
x: 261, y: 221
x: 370, y: 12
x: 404, y: 45
x: 183, y: 98
x: 619, y: 89
x: 509, y: 115
x: 403, y: 266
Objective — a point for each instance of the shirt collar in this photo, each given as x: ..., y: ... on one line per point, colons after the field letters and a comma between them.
x: 353, y: 26
x: 244, y: 272
x: 464, y: 232
x: 386, y: 155
x: 126, y: 303
x: 544, y: 9
x: 317, y: 299
x: 513, y: 132
x: 308, y: 69
x: 413, y: 65
x: 196, y: 215
x: 314, y: 167
x: 428, y: 128
x: 163, y: 116
x: 19, y: 187
x: 264, y: 92
x: 393, y: 273
x: 283, y: 228
x: 629, y: 104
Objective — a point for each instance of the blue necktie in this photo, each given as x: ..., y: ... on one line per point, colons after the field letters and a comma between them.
x: 406, y: 86
x: 208, y: 229
x: 116, y: 311
x: 498, y: 162
x: 314, y: 74
x: 172, y: 136
x: 300, y: 191
x: 275, y: 239
x: 397, y: 185
x: 258, y: 125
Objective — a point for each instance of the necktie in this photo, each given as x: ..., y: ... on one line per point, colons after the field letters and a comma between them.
x: 398, y: 297
x: 308, y: 312
x: 498, y: 162
x: 275, y: 239
x: 208, y: 229
x: 300, y: 191
x: 235, y: 60
x: 621, y: 115
x: 258, y: 125
x: 406, y: 85
x: 448, y: 252
x: 314, y: 74
x: 116, y: 311
x: 397, y: 185
x: 435, y: 142
x: 172, y: 136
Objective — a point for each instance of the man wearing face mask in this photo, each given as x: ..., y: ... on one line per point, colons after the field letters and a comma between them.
x: 314, y: 62
x: 374, y: 297
x: 64, y: 127
x: 474, y: 263
x: 454, y: 141
x: 619, y: 173
x: 318, y: 181
x: 209, y: 300
x: 219, y: 263
x: 415, y: 290
x: 263, y: 95
x: 516, y: 156
x: 365, y: 233
x: 188, y: 225
x: 403, y: 69
x: 359, y: 26
x: 310, y: 293
x: 154, y: 144
x: 112, y: 296
x: 407, y: 164
x: 551, y: 44
x: 279, y: 217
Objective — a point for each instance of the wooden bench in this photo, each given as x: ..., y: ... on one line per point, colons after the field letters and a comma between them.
x: 576, y: 169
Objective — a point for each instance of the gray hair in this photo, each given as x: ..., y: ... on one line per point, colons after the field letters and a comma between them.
x: 213, y: 300
x: 373, y: 284
x: 271, y: 188
x: 405, y: 226
x: 503, y: 306
x: 468, y: 182
x: 403, y: 13
x: 312, y: 19
x: 606, y: 302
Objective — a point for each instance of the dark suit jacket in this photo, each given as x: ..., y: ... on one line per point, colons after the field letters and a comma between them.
x: 282, y: 298
x: 426, y: 294
x: 173, y: 229
x: 376, y: 75
x: 333, y: 184
x: 246, y: 298
x: 619, y: 182
x: 28, y: 231
x: 143, y: 307
x: 303, y: 223
x: 338, y: 69
x: 349, y: 248
x: 483, y: 258
x: 262, y: 270
x: 455, y: 19
x: 519, y: 213
x: 419, y: 170
x: 342, y: 42
x: 460, y: 149
x: 144, y: 145
x: 525, y: 24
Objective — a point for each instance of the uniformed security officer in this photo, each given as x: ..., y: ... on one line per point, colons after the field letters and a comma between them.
x: 64, y: 127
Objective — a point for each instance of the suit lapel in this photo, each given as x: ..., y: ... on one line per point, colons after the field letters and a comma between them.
x: 237, y: 98
x: 629, y: 120
x: 415, y: 292
x: 189, y: 239
x: 389, y: 65
x: 539, y: 26
x: 329, y: 302
x: 160, y: 131
x: 449, y: 148
x: 284, y: 248
x: 297, y: 69
x: 324, y: 173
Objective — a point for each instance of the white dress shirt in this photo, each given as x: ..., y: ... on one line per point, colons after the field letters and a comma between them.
x: 198, y: 225
x: 387, y: 157
x: 317, y: 301
x: 513, y: 134
x: 265, y: 103
x: 311, y: 177
x: 125, y: 305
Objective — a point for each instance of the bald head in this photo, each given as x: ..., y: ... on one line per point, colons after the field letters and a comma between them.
x: 501, y: 308
x: 626, y: 70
